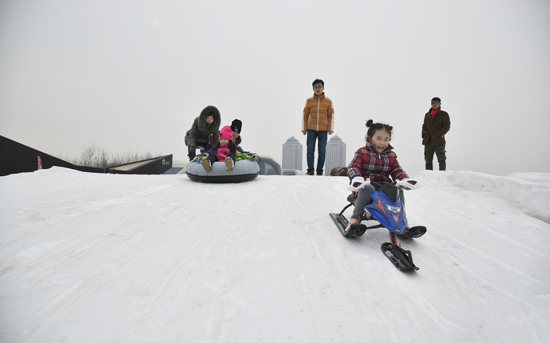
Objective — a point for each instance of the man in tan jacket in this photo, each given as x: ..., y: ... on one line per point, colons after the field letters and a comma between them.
x: 318, y: 120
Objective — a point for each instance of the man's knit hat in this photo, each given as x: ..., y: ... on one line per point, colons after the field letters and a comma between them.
x: 226, y: 133
x: 236, y: 125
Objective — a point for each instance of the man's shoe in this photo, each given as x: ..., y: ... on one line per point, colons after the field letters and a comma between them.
x: 207, y: 165
x: 320, y: 172
x: 310, y: 172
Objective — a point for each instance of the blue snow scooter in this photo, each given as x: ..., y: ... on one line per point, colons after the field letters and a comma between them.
x: 387, y: 209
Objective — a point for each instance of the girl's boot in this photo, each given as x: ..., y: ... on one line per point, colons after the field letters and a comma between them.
x: 229, y: 164
x: 207, y: 165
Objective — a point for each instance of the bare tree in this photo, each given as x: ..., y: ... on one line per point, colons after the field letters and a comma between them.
x: 92, y: 156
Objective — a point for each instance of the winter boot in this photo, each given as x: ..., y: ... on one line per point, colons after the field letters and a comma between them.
x: 207, y: 165
x: 229, y: 164
x: 355, y: 228
x: 352, y: 222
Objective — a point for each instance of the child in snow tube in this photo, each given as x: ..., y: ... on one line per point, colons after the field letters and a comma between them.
x: 225, y: 151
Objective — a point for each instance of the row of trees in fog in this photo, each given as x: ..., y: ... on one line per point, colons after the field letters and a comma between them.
x: 93, y: 156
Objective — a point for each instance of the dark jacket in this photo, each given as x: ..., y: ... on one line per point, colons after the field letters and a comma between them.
x: 199, y: 132
x: 370, y: 164
x: 435, y: 128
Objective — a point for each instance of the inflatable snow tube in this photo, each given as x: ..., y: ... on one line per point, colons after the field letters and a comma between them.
x: 243, y: 170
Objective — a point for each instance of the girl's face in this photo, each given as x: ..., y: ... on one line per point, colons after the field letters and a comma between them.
x: 224, y: 141
x: 381, y: 139
x: 235, y: 135
x: 209, y: 119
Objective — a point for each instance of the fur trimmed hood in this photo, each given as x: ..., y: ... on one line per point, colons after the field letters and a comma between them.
x: 202, y: 118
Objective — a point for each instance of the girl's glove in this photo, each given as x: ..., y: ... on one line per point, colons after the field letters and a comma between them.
x: 409, y: 184
x: 357, y: 183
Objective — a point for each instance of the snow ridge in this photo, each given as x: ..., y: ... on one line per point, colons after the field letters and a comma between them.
x: 527, y: 192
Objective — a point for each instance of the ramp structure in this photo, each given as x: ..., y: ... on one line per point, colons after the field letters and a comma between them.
x: 18, y: 158
x: 269, y: 166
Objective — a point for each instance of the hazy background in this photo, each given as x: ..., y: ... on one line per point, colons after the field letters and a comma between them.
x: 132, y: 75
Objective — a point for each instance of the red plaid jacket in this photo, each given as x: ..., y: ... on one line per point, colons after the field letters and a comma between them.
x: 378, y: 167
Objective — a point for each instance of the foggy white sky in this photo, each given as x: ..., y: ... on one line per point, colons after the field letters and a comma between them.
x: 132, y: 75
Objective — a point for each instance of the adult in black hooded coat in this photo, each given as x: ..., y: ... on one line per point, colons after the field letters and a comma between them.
x: 204, y: 132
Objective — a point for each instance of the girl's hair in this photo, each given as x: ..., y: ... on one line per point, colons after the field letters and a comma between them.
x: 232, y: 146
x: 373, y: 127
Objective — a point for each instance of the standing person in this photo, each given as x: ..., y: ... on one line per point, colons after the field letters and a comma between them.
x: 318, y: 119
x: 204, y: 131
x: 436, y: 124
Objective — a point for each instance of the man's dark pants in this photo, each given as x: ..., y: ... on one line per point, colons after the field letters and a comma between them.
x: 439, y: 150
x: 312, y: 136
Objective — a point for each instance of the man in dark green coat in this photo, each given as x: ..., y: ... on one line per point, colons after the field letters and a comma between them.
x: 436, y: 124
x: 205, y: 131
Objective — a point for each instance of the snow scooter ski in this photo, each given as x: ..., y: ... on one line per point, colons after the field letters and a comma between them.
x: 387, y: 209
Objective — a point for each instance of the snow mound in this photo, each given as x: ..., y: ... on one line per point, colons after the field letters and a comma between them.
x: 528, y: 192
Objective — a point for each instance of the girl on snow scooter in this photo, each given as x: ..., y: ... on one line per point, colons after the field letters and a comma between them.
x: 377, y: 162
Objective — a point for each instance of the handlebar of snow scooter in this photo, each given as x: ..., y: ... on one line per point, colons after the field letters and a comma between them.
x: 408, y: 184
x: 355, y: 186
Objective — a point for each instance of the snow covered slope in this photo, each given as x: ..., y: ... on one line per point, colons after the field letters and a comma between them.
x: 118, y: 258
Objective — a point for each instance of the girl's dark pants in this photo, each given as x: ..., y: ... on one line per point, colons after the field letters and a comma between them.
x: 213, y: 158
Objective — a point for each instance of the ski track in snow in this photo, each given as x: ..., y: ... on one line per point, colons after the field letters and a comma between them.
x: 112, y: 258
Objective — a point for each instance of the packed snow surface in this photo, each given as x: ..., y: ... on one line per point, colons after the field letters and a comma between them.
x: 117, y: 258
